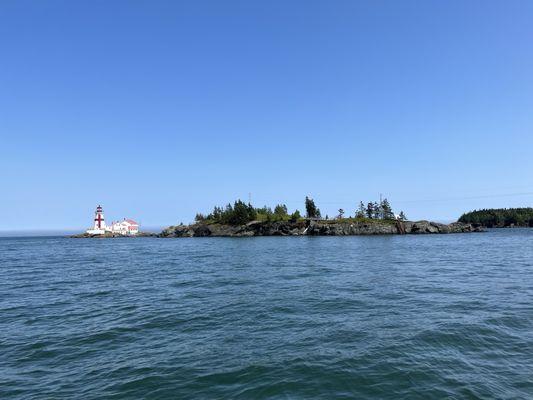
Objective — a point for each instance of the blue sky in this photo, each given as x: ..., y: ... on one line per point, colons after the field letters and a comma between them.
x: 160, y: 109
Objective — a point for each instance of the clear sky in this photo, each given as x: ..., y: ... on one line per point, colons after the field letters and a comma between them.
x: 160, y: 109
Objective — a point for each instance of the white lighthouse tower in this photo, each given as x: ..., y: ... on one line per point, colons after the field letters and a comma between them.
x: 99, y: 226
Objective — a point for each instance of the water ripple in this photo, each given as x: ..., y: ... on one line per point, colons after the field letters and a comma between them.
x: 349, y: 317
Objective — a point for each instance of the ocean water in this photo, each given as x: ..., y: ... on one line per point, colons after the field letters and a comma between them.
x: 388, y: 317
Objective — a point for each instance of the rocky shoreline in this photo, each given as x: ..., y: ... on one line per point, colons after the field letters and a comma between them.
x: 317, y: 228
x: 303, y: 228
x: 112, y: 235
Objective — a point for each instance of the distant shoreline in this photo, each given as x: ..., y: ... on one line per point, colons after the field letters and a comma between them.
x: 500, y: 217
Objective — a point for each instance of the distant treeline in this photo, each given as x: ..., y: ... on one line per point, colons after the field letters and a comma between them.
x: 240, y: 213
x: 499, y: 217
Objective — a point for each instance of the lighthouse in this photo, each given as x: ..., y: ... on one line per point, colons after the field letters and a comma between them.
x: 99, y: 226
x: 127, y: 227
x: 99, y: 221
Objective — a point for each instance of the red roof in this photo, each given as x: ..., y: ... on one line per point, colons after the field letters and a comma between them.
x: 132, y: 222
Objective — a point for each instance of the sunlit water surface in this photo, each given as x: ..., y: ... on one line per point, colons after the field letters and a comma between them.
x: 389, y: 317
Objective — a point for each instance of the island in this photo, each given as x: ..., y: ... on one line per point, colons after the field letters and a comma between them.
x: 500, y: 217
x: 240, y: 220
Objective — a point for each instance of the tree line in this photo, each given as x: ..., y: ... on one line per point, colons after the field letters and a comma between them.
x: 240, y: 213
x: 499, y: 217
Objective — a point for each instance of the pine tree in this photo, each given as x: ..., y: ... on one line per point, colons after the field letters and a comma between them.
x: 402, y: 216
x: 311, y: 209
x: 341, y: 213
x: 377, y: 211
x: 370, y: 210
x: 240, y: 215
x: 252, y: 213
x: 199, y: 217
x: 386, y: 210
x: 361, y: 211
x: 295, y: 216
x: 280, y: 211
x: 217, y: 214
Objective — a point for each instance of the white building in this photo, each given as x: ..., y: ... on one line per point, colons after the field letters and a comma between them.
x: 126, y: 227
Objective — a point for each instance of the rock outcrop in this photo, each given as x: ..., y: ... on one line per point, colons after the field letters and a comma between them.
x: 113, y: 235
x: 316, y: 228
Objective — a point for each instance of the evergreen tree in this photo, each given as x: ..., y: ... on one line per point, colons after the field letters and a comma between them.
x: 252, y: 213
x: 295, y: 216
x: 370, y: 210
x: 199, y: 217
x: 225, y: 217
x: 361, y: 211
x: 240, y: 215
x: 377, y: 211
x: 341, y: 213
x: 311, y: 209
x: 266, y: 213
x: 217, y: 214
x: 402, y: 216
x: 280, y: 211
x: 386, y: 210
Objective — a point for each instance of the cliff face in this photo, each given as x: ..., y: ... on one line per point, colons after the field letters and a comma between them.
x: 316, y: 228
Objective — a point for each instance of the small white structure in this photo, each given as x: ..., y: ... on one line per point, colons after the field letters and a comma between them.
x: 99, y: 226
x: 126, y: 227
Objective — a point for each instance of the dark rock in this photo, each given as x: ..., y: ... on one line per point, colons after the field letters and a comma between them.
x: 114, y: 235
x: 317, y: 228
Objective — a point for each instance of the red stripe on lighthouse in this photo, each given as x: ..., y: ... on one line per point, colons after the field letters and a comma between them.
x: 99, y: 219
